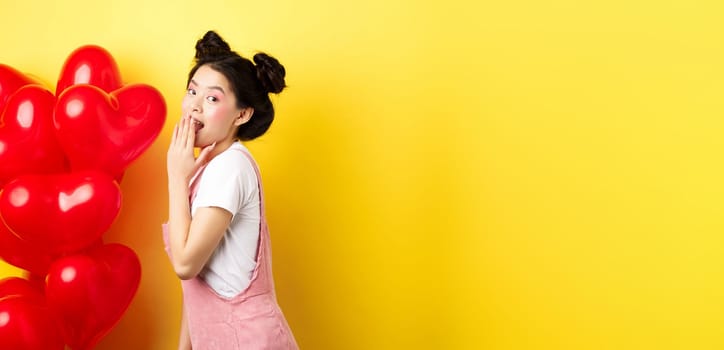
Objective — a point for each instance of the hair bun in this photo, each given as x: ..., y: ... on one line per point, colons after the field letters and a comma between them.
x: 211, y: 45
x: 270, y: 73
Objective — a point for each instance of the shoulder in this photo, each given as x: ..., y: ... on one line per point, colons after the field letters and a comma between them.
x: 231, y: 161
x: 228, y: 181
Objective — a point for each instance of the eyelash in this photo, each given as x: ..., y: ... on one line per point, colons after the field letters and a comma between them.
x: 192, y: 92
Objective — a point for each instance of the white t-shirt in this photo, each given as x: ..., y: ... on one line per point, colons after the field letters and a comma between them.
x: 229, y: 182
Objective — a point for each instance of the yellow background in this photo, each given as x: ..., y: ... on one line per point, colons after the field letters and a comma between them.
x: 446, y: 175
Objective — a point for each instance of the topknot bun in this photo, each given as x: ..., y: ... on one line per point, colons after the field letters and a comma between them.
x: 211, y: 46
x: 270, y: 73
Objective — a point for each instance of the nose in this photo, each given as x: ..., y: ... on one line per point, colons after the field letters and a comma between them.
x: 193, y: 108
x: 196, y: 105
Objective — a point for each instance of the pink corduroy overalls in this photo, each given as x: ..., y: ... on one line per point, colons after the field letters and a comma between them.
x: 250, y: 320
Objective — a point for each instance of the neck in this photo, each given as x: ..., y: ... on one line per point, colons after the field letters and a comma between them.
x: 220, y: 147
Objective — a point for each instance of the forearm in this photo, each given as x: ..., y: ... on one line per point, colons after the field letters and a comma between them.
x: 179, y: 220
x: 184, y: 336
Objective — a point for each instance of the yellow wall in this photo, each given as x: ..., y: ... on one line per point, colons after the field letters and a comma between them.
x: 447, y: 175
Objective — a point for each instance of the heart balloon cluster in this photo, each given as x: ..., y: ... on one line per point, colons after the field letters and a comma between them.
x: 62, y: 157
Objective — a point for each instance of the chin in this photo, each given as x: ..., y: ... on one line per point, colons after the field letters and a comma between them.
x: 203, y: 143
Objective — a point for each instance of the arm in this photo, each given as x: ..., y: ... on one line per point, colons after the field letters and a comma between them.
x: 184, y: 342
x: 191, y: 241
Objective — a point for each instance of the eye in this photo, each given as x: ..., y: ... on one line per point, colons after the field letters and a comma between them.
x: 191, y: 91
x: 212, y: 98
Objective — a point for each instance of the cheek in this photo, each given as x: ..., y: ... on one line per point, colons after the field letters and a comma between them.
x: 218, y: 114
x: 185, y: 102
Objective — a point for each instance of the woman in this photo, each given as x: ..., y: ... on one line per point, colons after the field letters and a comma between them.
x: 216, y: 237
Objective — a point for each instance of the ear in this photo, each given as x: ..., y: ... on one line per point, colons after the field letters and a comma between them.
x: 244, y: 116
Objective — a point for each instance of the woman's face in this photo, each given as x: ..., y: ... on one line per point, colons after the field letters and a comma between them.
x: 211, y: 105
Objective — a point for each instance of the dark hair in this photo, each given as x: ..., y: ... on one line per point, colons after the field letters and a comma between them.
x: 250, y: 83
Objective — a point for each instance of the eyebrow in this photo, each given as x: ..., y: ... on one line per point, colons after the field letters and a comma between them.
x: 213, y: 87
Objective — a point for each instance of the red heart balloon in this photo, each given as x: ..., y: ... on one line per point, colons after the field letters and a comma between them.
x: 105, y: 131
x: 37, y: 281
x: 24, y: 318
x: 16, y: 286
x: 89, y: 293
x: 27, y: 138
x: 76, y: 208
x: 10, y: 81
x: 89, y: 64
x: 22, y: 254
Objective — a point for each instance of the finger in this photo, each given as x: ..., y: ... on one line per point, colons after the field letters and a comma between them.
x: 184, y: 131
x: 205, y: 153
x: 174, y: 135
x: 192, y: 135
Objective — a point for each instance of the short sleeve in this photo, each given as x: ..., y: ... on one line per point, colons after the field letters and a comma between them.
x: 222, y: 183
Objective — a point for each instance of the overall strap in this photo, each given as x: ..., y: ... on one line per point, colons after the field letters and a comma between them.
x: 262, y: 217
x: 194, y: 183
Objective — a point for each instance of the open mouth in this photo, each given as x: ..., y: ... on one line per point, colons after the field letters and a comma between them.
x: 197, y: 125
